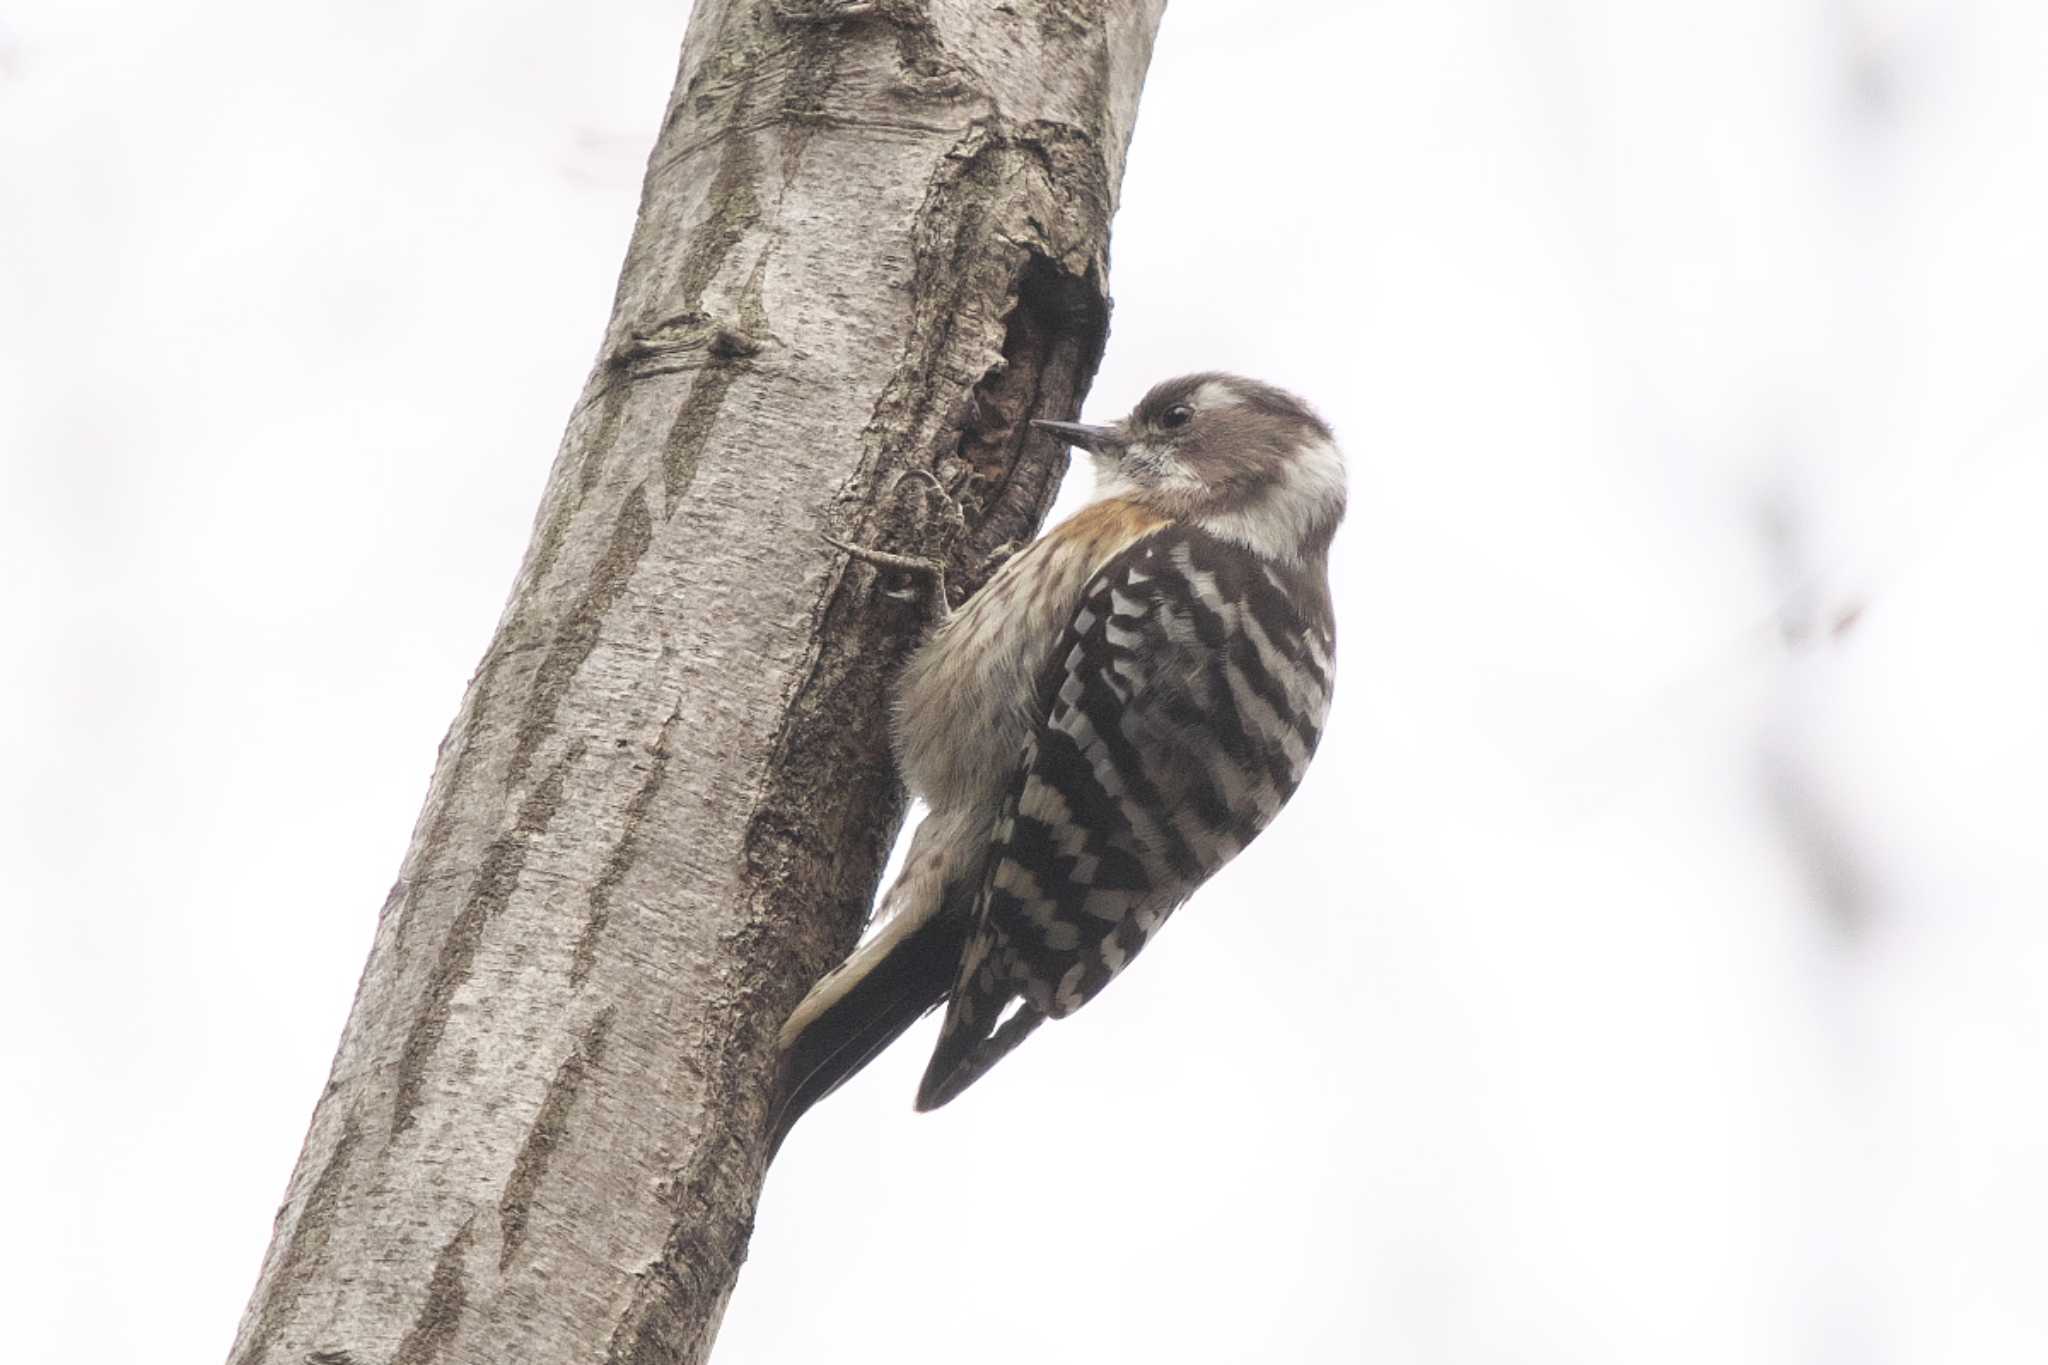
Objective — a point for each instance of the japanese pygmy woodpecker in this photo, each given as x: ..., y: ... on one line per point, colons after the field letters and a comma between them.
x: 1127, y: 702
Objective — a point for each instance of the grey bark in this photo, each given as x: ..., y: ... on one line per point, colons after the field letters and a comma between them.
x: 872, y: 239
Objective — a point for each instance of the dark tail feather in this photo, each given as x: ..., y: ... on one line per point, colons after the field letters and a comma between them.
x: 907, y: 984
x: 965, y: 1053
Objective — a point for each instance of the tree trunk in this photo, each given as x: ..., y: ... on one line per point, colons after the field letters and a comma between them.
x: 872, y: 240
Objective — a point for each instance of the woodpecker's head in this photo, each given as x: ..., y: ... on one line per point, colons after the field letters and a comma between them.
x: 1243, y: 460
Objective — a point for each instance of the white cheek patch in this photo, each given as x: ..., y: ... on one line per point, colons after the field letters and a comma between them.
x: 1308, y: 494
x: 1317, y: 471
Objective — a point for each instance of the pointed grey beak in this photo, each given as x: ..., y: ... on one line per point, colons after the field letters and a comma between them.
x: 1094, y: 440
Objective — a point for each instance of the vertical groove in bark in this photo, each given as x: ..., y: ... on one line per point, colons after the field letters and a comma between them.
x: 873, y: 238
x: 619, y: 860
x: 440, y: 1314
x: 632, y: 533
x: 495, y: 882
x: 515, y: 1205
x: 307, y: 1246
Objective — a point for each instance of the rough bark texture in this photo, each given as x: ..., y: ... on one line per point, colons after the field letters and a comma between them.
x: 872, y: 239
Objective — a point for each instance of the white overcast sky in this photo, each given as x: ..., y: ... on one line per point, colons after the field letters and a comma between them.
x: 1652, y: 967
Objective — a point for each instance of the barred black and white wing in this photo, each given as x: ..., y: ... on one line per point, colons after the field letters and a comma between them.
x: 1180, y: 710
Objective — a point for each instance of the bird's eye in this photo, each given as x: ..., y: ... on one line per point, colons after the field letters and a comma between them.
x: 1176, y: 416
